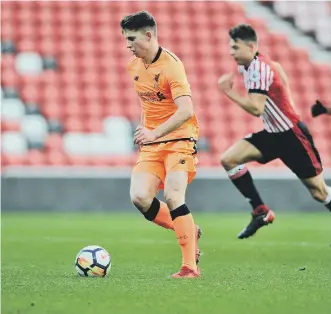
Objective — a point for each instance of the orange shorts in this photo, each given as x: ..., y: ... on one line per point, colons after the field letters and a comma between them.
x: 159, y: 159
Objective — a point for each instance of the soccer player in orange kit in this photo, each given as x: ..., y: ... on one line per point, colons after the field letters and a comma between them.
x: 166, y: 136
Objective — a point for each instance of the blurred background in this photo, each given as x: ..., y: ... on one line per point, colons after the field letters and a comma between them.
x: 69, y: 109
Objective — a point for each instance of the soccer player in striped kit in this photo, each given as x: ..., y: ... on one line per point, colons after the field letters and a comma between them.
x: 284, y: 136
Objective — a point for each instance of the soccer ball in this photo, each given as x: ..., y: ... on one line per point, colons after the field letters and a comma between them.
x: 93, y: 261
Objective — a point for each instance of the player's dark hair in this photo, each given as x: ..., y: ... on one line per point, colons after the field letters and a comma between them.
x: 138, y: 21
x: 244, y: 32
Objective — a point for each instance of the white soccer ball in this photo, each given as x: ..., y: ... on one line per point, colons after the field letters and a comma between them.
x: 93, y: 261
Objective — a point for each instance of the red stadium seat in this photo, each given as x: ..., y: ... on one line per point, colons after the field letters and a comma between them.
x: 10, y: 126
x: 73, y: 124
x: 101, y: 161
x: 56, y: 158
x: 94, y: 125
x: 9, y: 78
x: 53, y: 110
x: 54, y: 143
x: 36, y: 158
x: 7, y: 62
x: 79, y: 160
x: 13, y: 160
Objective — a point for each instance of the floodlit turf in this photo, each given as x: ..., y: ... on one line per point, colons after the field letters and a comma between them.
x: 259, y: 276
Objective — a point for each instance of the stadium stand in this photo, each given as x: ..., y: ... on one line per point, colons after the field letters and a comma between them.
x: 312, y: 19
x: 68, y: 100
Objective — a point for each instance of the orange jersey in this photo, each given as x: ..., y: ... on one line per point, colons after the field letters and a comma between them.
x: 158, y: 85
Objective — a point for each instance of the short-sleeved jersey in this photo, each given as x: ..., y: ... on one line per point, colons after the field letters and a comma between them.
x: 261, y: 77
x: 158, y: 85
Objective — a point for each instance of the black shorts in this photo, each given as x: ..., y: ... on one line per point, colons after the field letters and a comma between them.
x: 294, y: 147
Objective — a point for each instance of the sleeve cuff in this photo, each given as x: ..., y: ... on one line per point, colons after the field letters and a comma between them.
x: 181, y: 96
x: 258, y: 91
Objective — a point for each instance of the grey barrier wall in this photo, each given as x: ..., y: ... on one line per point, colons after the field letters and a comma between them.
x: 105, y: 190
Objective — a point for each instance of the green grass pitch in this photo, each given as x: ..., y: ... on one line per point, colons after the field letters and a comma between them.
x: 260, y: 275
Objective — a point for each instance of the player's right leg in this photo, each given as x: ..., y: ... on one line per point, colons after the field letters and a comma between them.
x: 304, y: 160
x: 143, y: 189
x: 319, y: 190
x: 233, y: 161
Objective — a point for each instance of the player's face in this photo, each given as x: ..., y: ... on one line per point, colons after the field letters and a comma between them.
x: 241, y: 51
x: 138, y: 42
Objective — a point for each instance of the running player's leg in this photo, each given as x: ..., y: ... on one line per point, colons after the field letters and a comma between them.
x: 234, y: 160
x: 143, y: 189
x: 257, y: 147
x: 304, y: 160
x: 319, y: 190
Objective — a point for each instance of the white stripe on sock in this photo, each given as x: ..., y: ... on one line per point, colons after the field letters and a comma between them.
x: 235, y: 170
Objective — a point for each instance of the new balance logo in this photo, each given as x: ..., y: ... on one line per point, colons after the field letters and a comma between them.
x: 182, y: 161
x: 160, y: 96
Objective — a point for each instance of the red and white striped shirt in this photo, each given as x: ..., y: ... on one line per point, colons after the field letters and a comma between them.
x: 261, y: 77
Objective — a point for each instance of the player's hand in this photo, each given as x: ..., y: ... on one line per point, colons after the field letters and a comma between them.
x: 318, y: 109
x: 225, y: 82
x: 143, y: 136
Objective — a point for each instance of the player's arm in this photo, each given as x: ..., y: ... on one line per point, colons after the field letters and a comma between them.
x: 183, y: 113
x: 141, y: 124
x: 181, y: 94
x: 253, y: 103
x: 142, y: 118
x: 285, y: 81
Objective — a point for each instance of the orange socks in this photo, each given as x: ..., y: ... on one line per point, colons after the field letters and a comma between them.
x: 185, y: 231
x: 181, y: 221
x: 163, y: 217
x: 159, y: 213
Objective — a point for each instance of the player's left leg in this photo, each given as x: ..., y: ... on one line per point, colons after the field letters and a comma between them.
x: 180, y: 168
x: 304, y: 160
x: 174, y: 194
x: 319, y: 190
